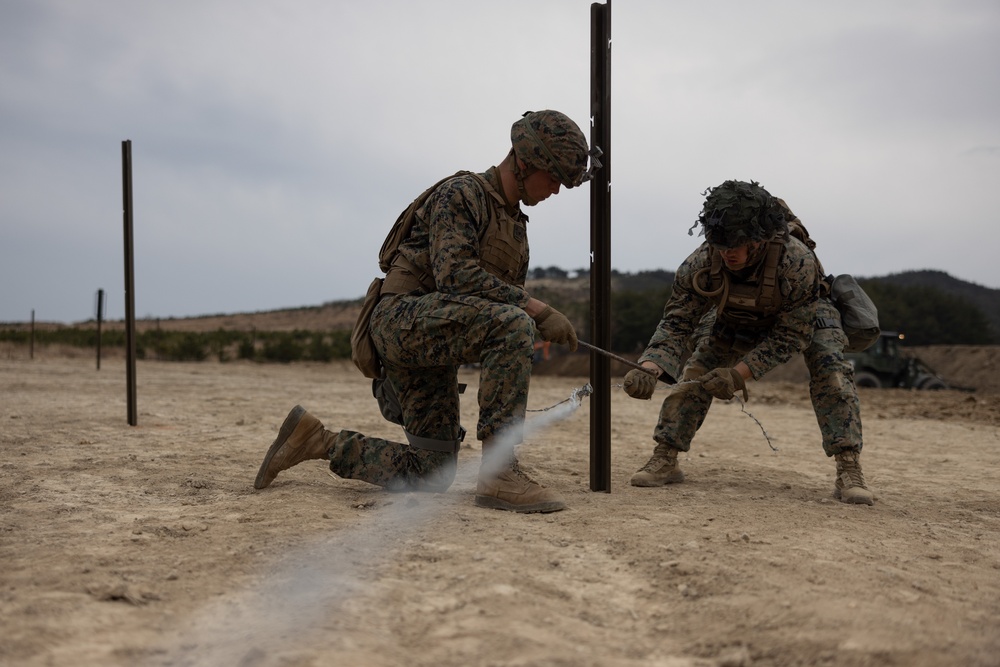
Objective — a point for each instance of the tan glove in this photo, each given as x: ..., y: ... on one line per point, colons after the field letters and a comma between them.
x: 555, y: 327
x: 639, y: 384
x: 724, y: 383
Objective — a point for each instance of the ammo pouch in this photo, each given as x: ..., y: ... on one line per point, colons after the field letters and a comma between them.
x: 392, y: 410
x: 363, y: 352
x: 388, y: 402
x: 738, y: 340
x: 858, y: 315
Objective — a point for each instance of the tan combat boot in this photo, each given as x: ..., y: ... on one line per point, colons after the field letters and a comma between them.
x: 661, y: 469
x: 504, y: 486
x: 850, y: 486
x: 300, y: 438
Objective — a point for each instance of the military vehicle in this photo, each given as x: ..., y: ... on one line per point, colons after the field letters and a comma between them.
x: 885, y: 365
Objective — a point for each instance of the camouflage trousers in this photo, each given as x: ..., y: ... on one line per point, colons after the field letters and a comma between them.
x: 392, y: 465
x: 831, y: 389
x: 423, y: 340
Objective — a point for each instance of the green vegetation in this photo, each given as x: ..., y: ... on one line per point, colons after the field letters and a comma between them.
x: 634, y: 316
x: 929, y: 316
x: 949, y: 312
x: 224, y: 345
x: 931, y: 308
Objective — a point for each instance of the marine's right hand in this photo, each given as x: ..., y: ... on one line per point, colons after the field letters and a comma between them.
x: 556, y: 327
x: 639, y: 384
x: 724, y: 383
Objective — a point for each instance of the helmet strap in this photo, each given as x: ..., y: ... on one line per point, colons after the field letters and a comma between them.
x: 519, y: 175
x: 755, y: 256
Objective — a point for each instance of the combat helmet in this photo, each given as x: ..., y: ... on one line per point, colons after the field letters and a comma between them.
x: 552, y: 142
x: 738, y: 213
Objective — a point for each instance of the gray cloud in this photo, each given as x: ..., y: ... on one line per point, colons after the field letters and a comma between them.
x: 274, y: 145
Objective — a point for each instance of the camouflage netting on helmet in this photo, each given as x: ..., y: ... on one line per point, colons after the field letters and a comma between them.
x: 737, y: 213
x: 551, y: 141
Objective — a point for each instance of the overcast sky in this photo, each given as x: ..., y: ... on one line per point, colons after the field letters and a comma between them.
x: 274, y: 143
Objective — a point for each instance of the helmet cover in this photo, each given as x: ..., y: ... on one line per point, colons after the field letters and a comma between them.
x: 550, y: 141
x: 738, y: 213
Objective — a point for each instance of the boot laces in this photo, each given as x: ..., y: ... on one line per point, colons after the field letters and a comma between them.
x: 657, y: 462
x: 850, y: 468
x: 515, y: 468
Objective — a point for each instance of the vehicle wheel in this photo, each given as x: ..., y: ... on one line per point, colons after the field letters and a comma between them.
x: 932, y: 384
x: 866, y: 379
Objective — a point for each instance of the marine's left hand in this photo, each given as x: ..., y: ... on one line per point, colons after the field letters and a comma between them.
x: 724, y: 383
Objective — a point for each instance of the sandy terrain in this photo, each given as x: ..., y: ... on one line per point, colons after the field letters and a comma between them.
x: 147, y: 545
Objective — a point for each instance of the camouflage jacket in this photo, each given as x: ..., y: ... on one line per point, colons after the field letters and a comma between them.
x: 446, y: 239
x: 799, y: 281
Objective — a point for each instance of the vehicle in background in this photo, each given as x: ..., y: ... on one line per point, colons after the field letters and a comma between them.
x: 885, y: 365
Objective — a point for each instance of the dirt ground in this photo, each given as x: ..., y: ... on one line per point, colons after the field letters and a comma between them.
x: 147, y: 545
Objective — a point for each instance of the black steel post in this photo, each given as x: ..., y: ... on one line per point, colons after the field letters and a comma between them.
x: 133, y: 413
x: 100, y: 316
x: 600, y: 247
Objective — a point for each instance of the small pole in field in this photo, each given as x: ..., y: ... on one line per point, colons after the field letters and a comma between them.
x: 600, y: 247
x: 133, y: 414
x: 100, y: 316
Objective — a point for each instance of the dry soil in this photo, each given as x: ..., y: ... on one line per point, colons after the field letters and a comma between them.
x: 147, y: 545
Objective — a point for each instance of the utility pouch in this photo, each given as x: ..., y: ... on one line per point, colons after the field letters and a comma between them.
x: 744, y: 341
x: 363, y: 352
x: 392, y: 410
x: 858, y: 315
x: 388, y: 402
x: 739, y: 341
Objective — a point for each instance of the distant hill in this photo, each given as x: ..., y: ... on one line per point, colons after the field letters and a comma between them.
x: 550, y: 284
x: 985, y: 298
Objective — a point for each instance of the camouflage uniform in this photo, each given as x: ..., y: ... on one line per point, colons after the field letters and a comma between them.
x: 757, y: 270
x: 831, y: 380
x: 831, y: 384
x: 684, y: 409
x: 455, y: 263
x: 422, y: 339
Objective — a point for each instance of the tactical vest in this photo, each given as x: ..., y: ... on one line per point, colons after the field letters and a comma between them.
x: 503, y: 245
x: 753, y: 303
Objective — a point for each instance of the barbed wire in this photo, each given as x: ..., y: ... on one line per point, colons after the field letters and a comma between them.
x: 581, y: 392
x: 576, y: 397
